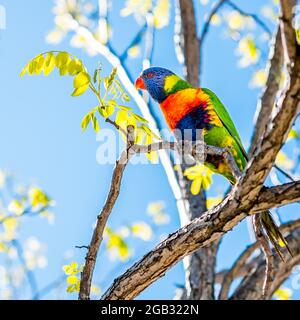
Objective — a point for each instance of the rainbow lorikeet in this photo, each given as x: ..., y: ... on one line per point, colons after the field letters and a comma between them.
x: 185, y: 107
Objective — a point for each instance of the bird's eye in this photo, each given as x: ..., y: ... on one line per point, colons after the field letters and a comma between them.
x: 149, y: 75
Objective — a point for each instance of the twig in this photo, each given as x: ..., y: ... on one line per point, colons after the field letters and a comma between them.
x: 51, y: 286
x: 215, y: 8
x: 29, y: 273
x: 225, y: 152
x: 267, y: 251
x: 242, y: 266
x: 136, y: 40
x: 255, y: 17
x: 284, y: 173
x: 250, y: 287
x: 267, y: 101
x: 90, y: 260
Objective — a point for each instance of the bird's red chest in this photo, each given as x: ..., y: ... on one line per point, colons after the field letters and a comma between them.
x: 179, y: 104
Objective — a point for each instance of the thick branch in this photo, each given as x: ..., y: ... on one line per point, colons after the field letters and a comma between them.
x: 198, y: 233
x: 190, y: 41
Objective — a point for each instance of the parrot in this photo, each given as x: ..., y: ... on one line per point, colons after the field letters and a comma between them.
x: 185, y: 107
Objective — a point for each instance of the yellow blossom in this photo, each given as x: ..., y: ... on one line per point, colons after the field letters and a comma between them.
x: 142, y: 230
x: 16, y: 207
x: 201, y: 176
x: 161, y: 13
x: 134, y: 51
x: 283, y: 161
x: 259, y: 78
x: 283, y: 294
x: 248, y: 51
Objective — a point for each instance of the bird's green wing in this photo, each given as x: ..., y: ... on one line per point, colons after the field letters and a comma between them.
x: 225, y: 119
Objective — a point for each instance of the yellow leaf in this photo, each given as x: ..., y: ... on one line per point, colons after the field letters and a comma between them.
x: 25, y: 70
x: 49, y: 64
x: 38, y: 197
x: 40, y: 64
x: 80, y: 91
x: 62, y: 59
x: 82, y: 79
x: 72, y: 279
x: 74, y: 67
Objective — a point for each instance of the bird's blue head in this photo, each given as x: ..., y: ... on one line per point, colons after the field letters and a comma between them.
x: 154, y: 81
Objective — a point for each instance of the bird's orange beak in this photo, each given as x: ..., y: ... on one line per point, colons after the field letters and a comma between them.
x: 140, y: 84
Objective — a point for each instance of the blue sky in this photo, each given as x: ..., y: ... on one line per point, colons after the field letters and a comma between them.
x: 41, y: 139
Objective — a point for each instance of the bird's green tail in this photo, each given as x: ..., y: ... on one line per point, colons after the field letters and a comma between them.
x: 273, y: 233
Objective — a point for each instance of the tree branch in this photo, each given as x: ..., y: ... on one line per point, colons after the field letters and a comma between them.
x: 250, y: 288
x: 259, y: 21
x: 200, y: 232
x: 264, y: 244
x: 190, y: 41
x: 243, y: 265
x: 90, y: 260
x: 267, y: 101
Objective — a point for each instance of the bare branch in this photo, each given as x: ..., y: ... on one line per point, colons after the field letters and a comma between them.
x: 215, y: 8
x: 190, y: 41
x: 90, y: 260
x: 255, y: 17
x: 267, y: 101
x: 200, y: 232
x: 288, y: 32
